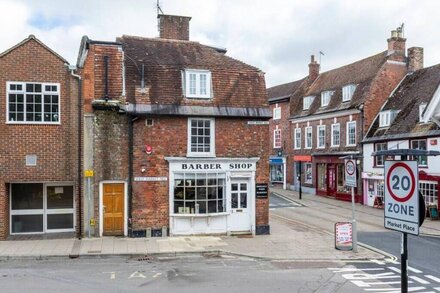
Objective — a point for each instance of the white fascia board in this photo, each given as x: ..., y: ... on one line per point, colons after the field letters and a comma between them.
x: 431, y: 108
x: 325, y: 116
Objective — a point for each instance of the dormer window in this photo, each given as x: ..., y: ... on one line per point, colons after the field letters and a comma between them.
x: 422, y: 108
x: 197, y: 83
x: 307, y: 102
x: 347, y: 92
x: 325, y: 98
x: 384, y: 118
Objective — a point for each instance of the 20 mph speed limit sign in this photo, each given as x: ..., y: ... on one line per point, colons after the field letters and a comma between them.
x: 402, y: 196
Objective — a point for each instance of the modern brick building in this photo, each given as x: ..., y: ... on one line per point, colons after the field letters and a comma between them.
x: 39, y: 142
x: 177, y: 136
x: 330, y: 114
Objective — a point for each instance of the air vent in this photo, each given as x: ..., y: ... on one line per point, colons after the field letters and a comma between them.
x: 31, y: 160
x: 149, y: 122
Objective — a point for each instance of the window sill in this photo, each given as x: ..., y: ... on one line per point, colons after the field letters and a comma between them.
x: 200, y: 215
x: 32, y: 123
x: 200, y: 155
x: 198, y: 97
x: 350, y: 145
x: 335, y: 146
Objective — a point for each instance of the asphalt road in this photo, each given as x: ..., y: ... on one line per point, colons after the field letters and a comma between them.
x: 422, y: 250
x: 189, y: 274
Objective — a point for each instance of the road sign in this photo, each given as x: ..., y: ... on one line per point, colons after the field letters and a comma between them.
x: 402, y: 196
x: 350, y: 173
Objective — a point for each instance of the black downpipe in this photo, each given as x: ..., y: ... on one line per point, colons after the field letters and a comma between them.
x: 106, y: 97
x: 80, y: 193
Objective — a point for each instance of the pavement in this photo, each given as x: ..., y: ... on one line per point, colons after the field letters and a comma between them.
x: 290, y: 239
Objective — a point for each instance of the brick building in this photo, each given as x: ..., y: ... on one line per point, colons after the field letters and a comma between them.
x: 39, y: 142
x: 177, y: 136
x: 330, y: 114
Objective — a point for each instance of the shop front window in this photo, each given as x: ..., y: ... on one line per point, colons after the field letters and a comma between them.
x: 322, y: 177
x: 276, y: 173
x: 308, y: 173
x: 39, y: 208
x: 199, y: 193
x: 429, y: 190
x: 341, y: 179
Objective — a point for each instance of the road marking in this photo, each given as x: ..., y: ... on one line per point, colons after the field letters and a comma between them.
x: 394, y: 269
x: 358, y: 276
x: 414, y: 270
x: 421, y: 281
x: 343, y: 270
x: 157, y: 275
x: 379, y: 262
x: 365, y: 284
x: 137, y: 274
x: 433, y: 278
x: 112, y: 275
x: 437, y: 288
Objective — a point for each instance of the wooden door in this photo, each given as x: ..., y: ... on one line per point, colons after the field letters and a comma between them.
x: 113, y: 209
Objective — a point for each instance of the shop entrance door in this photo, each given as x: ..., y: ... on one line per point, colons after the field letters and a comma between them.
x: 240, y: 220
x: 113, y: 209
x: 331, y: 179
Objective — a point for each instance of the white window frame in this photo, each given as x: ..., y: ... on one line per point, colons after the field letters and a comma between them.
x: 379, y: 158
x: 187, y: 84
x: 24, y: 93
x: 306, y: 145
x: 307, y: 102
x: 297, y: 142
x: 45, y: 211
x: 325, y: 98
x: 318, y: 141
x: 384, y: 118
x: 277, y: 143
x: 347, y: 142
x: 347, y: 92
x: 333, y: 144
x: 422, y: 108
x: 276, y: 112
x: 211, y: 153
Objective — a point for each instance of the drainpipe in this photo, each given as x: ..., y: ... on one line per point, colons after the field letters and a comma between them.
x: 130, y: 174
x: 361, y: 183
x: 79, y: 147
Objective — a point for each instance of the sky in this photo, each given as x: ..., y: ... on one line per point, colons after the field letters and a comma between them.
x: 277, y: 36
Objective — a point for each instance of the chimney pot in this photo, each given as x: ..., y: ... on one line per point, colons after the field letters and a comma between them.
x: 313, y: 69
x: 396, y: 46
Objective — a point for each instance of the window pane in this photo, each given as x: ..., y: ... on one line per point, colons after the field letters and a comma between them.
x: 27, y: 223
x: 60, y: 221
x: 212, y: 192
x: 243, y: 200
x: 234, y: 200
x: 202, y: 207
x: 201, y: 192
x: 212, y: 206
x: 60, y: 197
x: 178, y: 207
x: 220, y: 207
x: 190, y: 193
x: 27, y: 196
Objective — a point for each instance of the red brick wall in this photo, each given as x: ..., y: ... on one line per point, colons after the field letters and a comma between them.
x: 168, y: 138
x: 93, y: 74
x: 56, y: 146
x: 174, y: 27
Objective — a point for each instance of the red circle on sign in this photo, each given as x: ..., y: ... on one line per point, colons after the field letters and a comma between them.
x: 413, y: 182
x: 351, y: 163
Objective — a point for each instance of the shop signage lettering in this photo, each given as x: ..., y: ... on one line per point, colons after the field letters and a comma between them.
x: 215, y: 166
x: 261, y: 190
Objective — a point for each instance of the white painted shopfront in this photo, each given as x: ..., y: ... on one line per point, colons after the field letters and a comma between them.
x: 212, y: 195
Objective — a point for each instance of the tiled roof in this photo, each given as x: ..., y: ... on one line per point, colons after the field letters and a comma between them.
x: 417, y: 88
x: 235, y: 83
x: 283, y: 91
x: 360, y: 73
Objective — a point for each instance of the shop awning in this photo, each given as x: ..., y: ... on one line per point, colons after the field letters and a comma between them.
x: 276, y: 161
x: 304, y: 158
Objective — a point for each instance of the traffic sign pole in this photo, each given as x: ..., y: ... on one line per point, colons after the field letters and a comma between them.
x: 353, y: 215
x: 404, y: 264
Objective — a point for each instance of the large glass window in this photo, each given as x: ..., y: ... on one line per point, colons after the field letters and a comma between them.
x: 33, y: 102
x: 321, y: 136
x: 201, y: 137
x: 341, y: 179
x: 322, y: 176
x: 351, y: 133
x: 420, y: 144
x: 38, y: 208
x: 336, y: 135
x: 308, y: 173
x: 199, y: 193
x: 429, y: 190
x: 276, y: 173
x: 379, y: 160
x: 197, y: 83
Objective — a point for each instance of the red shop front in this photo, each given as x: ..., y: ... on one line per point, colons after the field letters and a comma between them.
x: 330, y: 178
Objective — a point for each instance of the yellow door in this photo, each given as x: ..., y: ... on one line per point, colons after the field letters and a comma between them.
x: 113, y: 209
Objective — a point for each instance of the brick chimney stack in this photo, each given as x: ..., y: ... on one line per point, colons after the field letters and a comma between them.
x: 396, y: 45
x: 415, y: 58
x: 174, y: 27
x: 313, y: 69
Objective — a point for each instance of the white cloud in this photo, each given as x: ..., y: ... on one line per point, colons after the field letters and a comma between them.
x: 277, y: 36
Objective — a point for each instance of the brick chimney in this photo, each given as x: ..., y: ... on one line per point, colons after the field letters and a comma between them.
x: 174, y: 27
x: 396, y: 45
x: 415, y: 58
x: 313, y: 69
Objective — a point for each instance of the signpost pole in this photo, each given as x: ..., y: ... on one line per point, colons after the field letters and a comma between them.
x: 404, y: 264
x: 89, y: 205
x: 353, y: 214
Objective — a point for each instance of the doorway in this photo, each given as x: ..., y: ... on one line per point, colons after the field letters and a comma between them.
x: 113, y: 209
x: 240, y: 220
